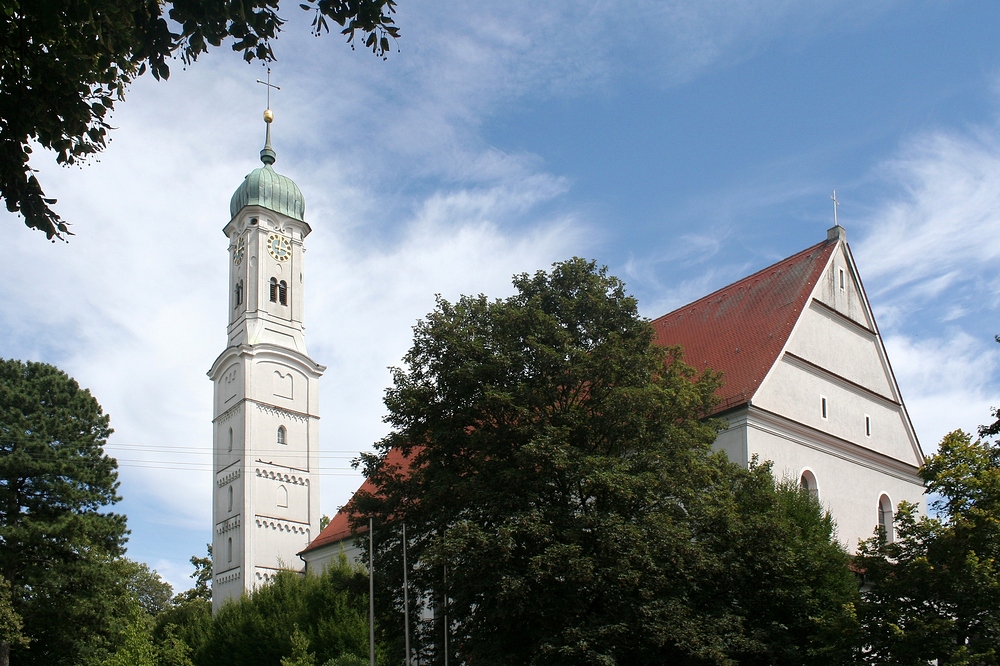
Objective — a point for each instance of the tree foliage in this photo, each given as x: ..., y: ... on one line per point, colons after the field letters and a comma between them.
x: 295, y: 619
x: 65, y: 63
x: 563, y: 504
x: 57, y: 542
x: 935, y: 588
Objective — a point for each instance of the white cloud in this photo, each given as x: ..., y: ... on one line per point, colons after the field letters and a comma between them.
x: 947, y: 382
x: 942, y: 230
x: 929, y: 258
x: 133, y: 306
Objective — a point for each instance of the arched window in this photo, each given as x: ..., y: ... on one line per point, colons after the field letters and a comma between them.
x: 281, y: 435
x: 885, y: 526
x: 229, y: 550
x: 282, y: 496
x: 808, y: 482
x: 230, y: 439
x: 239, y: 293
x: 283, y: 292
x: 274, y: 290
x: 230, y: 498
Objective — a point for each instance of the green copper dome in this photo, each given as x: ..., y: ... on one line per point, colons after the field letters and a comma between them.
x: 267, y: 188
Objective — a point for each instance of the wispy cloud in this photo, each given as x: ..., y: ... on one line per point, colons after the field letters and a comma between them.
x: 929, y: 254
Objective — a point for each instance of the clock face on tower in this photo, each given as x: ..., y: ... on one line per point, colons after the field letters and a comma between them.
x: 279, y: 247
x: 241, y: 249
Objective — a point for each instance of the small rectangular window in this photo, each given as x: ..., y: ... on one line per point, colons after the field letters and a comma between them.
x: 843, y: 284
x: 824, y: 411
x: 868, y: 426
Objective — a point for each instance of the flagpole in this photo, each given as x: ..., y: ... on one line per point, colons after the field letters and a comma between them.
x: 371, y: 592
x: 406, y: 602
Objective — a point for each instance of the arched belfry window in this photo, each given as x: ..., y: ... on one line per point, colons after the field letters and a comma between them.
x: 230, y: 439
x: 238, y: 294
x: 274, y: 290
x: 229, y: 550
x: 808, y: 483
x: 282, y: 496
x: 230, y: 498
x: 283, y: 292
x: 885, y: 526
x: 281, y: 435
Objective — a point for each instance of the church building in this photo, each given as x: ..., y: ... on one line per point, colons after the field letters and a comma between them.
x: 807, y: 385
x: 266, y: 398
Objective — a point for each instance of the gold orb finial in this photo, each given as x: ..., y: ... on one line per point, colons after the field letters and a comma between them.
x: 268, y: 115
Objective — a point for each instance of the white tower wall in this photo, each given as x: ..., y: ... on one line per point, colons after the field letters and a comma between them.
x: 266, y: 410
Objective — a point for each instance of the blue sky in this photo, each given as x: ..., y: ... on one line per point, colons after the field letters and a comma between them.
x: 683, y: 144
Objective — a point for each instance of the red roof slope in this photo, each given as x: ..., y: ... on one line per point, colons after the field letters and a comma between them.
x: 741, y: 329
x: 340, y: 527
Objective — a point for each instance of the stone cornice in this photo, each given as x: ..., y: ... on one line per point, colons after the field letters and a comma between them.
x: 282, y: 476
x: 274, y: 410
x: 229, y: 413
x: 228, y: 478
x: 842, y: 318
x: 280, y: 525
x: 846, y: 383
x: 228, y: 576
x: 228, y: 524
x: 780, y: 426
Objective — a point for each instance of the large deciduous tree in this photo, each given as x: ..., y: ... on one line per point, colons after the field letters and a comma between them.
x: 935, y: 588
x: 65, y: 63
x: 56, y: 538
x: 562, y: 502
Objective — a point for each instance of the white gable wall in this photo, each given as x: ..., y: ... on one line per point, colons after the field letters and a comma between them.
x: 834, y: 352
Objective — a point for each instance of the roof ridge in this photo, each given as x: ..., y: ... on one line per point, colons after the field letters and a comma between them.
x: 748, y: 278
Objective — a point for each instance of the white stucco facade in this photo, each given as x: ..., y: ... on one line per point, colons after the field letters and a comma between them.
x: 829, y: 410
x: 266, y: 409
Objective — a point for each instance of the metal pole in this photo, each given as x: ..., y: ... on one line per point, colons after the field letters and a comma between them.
x: 445, y: 615
x: 371, y: 592
x: 406, y: 602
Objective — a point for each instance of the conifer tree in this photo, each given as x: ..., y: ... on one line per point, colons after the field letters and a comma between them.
x: 56, y: 537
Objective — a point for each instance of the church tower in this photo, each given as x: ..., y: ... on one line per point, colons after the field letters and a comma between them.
x: 266, y: 424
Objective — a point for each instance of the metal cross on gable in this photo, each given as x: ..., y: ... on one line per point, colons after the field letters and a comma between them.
x: 269, y: 85
x: 835, y: 204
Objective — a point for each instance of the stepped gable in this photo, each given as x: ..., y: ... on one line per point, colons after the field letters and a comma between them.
x: 340, y: 526
x: 741, y: 329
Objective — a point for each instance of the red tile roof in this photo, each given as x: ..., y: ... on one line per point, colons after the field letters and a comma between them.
x: 741, y: 329
x: 340, y: 527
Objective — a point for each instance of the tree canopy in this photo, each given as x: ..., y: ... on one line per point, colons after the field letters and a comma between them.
x: 65, y: 63
x: 56, y: 538
x: 295, y: 620
x: 563, y: 504
x: 935, y: 587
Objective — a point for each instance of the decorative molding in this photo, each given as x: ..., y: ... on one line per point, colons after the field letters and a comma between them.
x: 228, y: 478
x: 279, y: 476
x: 228, y: 414
x: 793, y: 431
x: 265, y: 577
x: 840, y: 316
x: 228, y: 524
x: 843, y: 381
x: 278, y: 411
x: 229, y: 576
x: 279, y: 525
